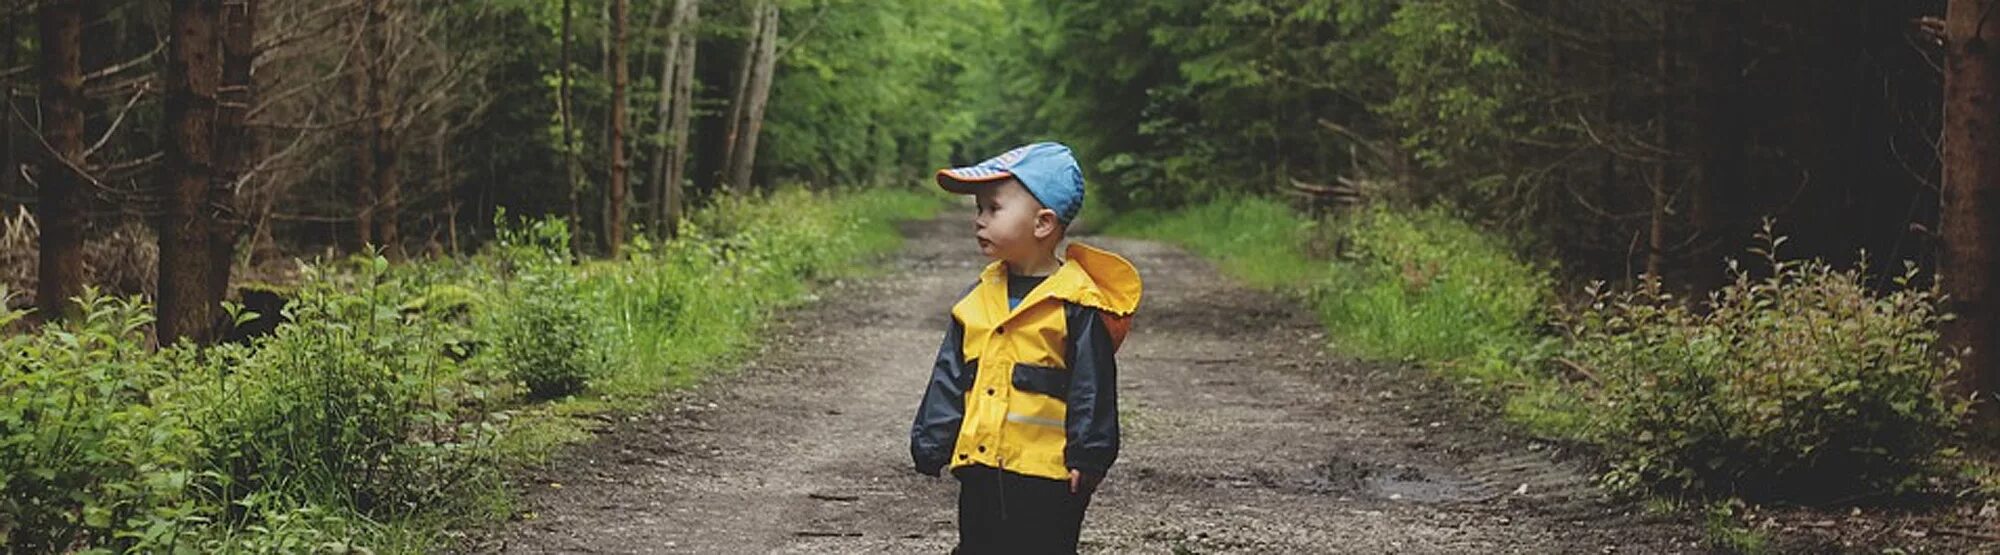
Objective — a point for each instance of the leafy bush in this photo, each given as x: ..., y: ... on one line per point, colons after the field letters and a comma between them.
x: 542, y: 339
x: 351, y: 403
x: 86, y: 455
x: 540, y: 335
x: 1803, y: 385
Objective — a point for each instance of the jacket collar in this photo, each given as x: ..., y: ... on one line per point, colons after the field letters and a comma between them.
x: 1089, y: 276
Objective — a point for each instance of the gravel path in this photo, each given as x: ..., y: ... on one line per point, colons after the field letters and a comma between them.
x: 1242, y: 436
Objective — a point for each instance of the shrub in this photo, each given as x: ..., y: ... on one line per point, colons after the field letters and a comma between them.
x: 88, y: 454
x: 541, y: 337
x: 351, y: 403
x: 1804, y: 385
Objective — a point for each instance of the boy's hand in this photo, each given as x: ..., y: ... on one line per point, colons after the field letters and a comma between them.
x: 1083, y: 482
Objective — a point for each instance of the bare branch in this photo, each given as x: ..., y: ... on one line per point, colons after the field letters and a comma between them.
x: 113, y: 128
x: 128, y: 64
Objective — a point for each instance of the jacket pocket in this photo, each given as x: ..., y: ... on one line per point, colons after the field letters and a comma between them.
x: 1042, y: 379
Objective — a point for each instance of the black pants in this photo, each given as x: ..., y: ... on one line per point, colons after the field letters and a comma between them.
x: 1004, y: 512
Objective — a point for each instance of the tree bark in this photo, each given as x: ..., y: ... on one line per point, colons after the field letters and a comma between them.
x: 365, y: 196
x: 738, y: 95
x: 563, y: 112
x: 755, y: 95
x: 676, y: 92
x: 194, y: 74
x: 236, y: 143
x: 1718, y: 142
x: 9, y: 166
x: 1970, y: 216
x: 684, y: 84
x: 614, y: 224
x: 1656, y: 233
x: 60, y: 199
x: 385, y: 137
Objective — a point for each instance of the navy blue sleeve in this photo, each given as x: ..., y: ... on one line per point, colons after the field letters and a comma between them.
x: 935, y: 431
x: 1091, y: 425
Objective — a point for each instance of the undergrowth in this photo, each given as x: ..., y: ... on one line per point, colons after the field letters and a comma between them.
x: 1803, y: 385
x: 393, y: 399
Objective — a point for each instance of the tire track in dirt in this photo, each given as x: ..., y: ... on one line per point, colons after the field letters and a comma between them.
x: 1242, y: 436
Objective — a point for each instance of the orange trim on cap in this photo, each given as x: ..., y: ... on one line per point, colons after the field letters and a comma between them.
x: 957, y: 184
x: 996, y: 177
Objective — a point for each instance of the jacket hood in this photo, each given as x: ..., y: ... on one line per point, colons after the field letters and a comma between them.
x: 1109, y: 282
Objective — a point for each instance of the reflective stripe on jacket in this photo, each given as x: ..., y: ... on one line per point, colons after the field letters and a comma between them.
x: 1031, y: 390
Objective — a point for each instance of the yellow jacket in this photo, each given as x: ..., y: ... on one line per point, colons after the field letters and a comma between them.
x: 1031, y: 390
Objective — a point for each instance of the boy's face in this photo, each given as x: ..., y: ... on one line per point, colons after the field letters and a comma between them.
x: 1011, y: 224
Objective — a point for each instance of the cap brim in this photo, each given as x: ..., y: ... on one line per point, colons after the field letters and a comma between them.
x: 965, y: 181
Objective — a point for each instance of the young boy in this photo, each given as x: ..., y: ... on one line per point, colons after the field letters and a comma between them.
x: 1023, y: 399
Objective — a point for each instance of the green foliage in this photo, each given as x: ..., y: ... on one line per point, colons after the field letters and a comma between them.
x: 1174, y: 102
x: 86, y: 455
x: 353, y: 402
x: 1409, y: 285
x: 1427, y: 286
x: 541, y: 337
x: 1775, y: 387
x: 1417, y: 286
x: 1805, y: 385
x: 1458, y: 92
x: 1258, y: 240
x: 735, y: 261
x: 382, y: 409
x: 1723, y: 522
x: 876, y: 91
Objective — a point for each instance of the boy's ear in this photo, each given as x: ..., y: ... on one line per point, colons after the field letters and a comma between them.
x: 1046, y: 223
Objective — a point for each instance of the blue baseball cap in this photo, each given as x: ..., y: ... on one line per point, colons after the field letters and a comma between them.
x: 1046, y: 169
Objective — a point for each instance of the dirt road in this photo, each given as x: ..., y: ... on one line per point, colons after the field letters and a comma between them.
x: 1242, y: 436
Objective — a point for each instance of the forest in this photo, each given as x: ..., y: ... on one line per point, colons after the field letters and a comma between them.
x: 324, y: 275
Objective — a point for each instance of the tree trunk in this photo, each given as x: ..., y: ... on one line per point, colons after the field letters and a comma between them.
x: 614, y: 224
x: 59, y: 203
x: 385, y: 138
x: 563, y: 105
x: 194, y: 74
x: 1656, y: 235
x: 365, y: 197
x: 1718, y: 143
x: 442, y: 171
x: 676, y: 88
x: 738, y: 95
x: 679, y: 159
x: 663, y: 112
x: 9, y: 167
x: 756, y: 93
x: 1970, y: 216
x: 236, y: 143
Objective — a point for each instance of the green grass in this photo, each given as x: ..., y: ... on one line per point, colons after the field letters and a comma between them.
x: 1258, y: 241
x: 677, y: 313
x: 1401, y: 286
